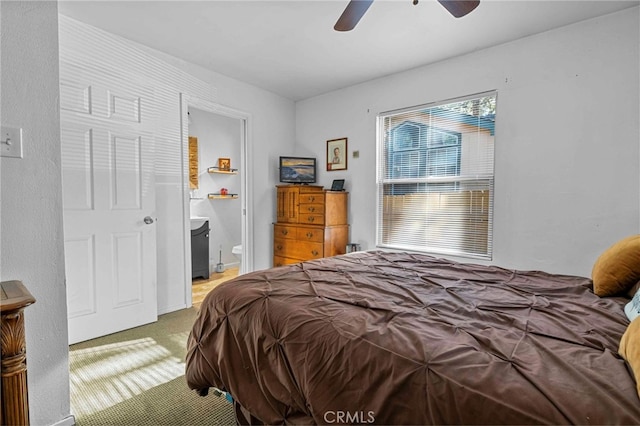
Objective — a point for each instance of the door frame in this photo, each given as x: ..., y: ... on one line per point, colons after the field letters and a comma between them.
x: 246, y: 199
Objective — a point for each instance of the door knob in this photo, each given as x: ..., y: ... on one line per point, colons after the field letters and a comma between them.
x: 148, y: 220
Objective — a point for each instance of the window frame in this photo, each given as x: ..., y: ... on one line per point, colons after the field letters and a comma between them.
x: 452, y: 183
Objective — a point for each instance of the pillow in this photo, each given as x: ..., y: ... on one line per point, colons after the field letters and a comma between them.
x: 633, y: 290
x: 630, y: 349
x: 618, y: 268
x: 632, y: 309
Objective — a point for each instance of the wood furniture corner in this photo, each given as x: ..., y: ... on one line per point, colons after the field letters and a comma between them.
x: 15, y: 404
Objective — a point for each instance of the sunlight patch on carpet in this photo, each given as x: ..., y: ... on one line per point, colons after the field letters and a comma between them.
x: 179, y: 339
x: 103, y: 376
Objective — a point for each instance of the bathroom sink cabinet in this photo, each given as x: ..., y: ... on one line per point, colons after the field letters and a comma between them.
x: 200, y: 251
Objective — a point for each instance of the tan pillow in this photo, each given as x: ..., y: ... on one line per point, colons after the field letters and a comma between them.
x: 630, y: 349
x: 618, y: 268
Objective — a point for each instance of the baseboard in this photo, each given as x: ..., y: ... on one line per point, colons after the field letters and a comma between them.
x: 170, y: 309
x: 67, y: 421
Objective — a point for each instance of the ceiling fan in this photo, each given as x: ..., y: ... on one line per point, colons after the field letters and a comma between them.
x: 356, y: 9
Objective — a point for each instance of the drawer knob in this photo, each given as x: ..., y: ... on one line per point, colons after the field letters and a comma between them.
x: 312, y: 209
x: 309, y: 234
x: 314, y: 252
x: 311, y: 218
x: 279, y: 247
x: 285, y: 232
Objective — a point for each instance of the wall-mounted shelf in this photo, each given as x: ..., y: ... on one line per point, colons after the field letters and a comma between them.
x: 222, y: 171
x: 222, y: 197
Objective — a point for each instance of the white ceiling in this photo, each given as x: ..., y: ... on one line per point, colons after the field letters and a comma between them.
x: 290, y: 47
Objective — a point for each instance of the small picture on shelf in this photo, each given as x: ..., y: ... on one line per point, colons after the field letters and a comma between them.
x: 224, y: 164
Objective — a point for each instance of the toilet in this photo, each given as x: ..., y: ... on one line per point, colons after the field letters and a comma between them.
x: 237, y: 251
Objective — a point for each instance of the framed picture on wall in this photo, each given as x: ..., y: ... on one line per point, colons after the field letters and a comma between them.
x: 337, y: 154
x: 224, y: 164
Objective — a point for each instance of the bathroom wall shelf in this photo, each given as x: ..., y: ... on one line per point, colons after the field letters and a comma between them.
x: 222, y: 197
x: 222, y: 171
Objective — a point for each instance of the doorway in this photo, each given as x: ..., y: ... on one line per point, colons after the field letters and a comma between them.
x: 214, y: 199
x: 221, y: 195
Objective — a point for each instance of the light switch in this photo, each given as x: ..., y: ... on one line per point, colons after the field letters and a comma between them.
x: 10, y: 142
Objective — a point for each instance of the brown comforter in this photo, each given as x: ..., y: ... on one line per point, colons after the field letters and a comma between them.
x: 397, y: 338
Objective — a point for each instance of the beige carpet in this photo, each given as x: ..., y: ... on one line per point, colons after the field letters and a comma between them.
x: 136, y: 377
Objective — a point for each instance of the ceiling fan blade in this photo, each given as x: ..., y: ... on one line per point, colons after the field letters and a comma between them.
x: 459, y: 8
x: 352, y: 14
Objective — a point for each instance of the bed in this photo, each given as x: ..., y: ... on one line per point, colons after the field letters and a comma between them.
x: 399, y: 338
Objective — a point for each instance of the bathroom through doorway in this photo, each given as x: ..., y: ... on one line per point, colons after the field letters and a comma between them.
x: 218, y: 195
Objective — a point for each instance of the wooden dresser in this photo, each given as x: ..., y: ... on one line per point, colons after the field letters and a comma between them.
x: 15, y: 399
x: 311, y: 224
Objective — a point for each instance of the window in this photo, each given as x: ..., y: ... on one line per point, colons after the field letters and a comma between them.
x: 435, y: 177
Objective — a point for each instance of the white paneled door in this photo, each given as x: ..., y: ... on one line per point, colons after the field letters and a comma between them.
x: 109, y: 202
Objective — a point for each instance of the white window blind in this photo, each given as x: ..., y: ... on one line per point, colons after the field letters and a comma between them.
x: 435, y: 177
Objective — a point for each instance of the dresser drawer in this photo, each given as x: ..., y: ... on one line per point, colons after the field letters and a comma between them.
x: 307, y: 189
x: 281, y: 261
x: 311, y: 219
x: 303, y: 250
x: 311, y: 208
x: 312, y: 197
x: 307, y: 250
x: 310, y: 234
x: 284, y: 231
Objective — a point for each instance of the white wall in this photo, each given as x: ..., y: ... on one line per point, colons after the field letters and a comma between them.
x: 564, y: 190
x: 567, y: 169
x: 31, y: 248
x: 218, y: 136
x: 271, y: 132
